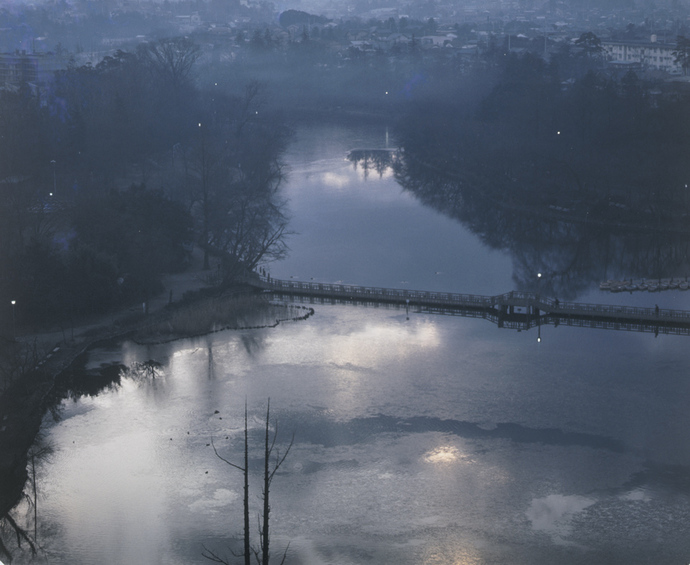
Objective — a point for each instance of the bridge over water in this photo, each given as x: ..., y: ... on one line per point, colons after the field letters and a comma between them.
x: 513, y: 310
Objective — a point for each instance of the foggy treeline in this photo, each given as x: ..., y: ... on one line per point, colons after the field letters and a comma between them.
x: 577, y: 172
x: 109, y: 180
x: 186, y: 146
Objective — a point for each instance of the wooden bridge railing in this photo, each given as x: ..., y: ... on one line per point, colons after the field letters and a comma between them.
x: 533, y: 303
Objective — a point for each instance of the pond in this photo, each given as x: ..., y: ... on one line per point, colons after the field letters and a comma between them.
x: 418, y: 439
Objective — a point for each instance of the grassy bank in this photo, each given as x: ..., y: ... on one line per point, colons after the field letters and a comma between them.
x: 217, y: 313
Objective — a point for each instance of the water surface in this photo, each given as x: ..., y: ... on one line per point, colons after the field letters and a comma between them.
x: 427, y: 440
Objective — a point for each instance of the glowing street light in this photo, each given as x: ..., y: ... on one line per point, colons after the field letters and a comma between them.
x: 13, y: 302
x: 54, y: 178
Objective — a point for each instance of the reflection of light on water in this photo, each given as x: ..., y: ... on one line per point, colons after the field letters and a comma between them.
x: 376, y: 174
x: 334, y: 180
x: 451, y: 554
x: 445, y: 454
x: 553, y: 513
x: 379, y: 340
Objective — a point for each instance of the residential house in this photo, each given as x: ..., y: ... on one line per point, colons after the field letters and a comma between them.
x: 649, y: 55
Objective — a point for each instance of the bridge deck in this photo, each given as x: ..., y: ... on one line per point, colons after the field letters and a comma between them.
x: 502, y: 305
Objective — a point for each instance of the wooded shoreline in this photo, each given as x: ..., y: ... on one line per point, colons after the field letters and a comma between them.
x: 24, y: 404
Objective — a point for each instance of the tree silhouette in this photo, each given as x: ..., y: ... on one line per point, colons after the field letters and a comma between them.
x: 262, y: 552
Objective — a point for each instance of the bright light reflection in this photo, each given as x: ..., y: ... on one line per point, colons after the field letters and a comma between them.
x: 373, y: 174
x: 335, y: 180
x: 452, y: 553
x: 375, y: 341
x: 443, y: 454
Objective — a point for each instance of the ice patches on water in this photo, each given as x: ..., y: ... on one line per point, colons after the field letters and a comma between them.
x: 552, y: 514
x: 221, y: 498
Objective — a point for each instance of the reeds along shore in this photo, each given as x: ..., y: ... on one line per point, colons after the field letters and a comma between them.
x: 219, y: 313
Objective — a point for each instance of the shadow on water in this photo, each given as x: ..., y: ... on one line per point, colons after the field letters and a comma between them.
x: 78, y: 380
x: 670, y: 479
x: 576, y: 242
x: 361, y: 430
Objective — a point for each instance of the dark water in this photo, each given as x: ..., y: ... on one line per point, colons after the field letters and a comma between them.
x: 428, y: 440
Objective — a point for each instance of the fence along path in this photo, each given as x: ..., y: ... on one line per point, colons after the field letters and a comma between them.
x: 512, y: 309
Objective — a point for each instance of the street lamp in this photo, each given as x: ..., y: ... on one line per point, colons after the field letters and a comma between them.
x: 13, y: 302
x: 54, y: 179
x: 537, y: 309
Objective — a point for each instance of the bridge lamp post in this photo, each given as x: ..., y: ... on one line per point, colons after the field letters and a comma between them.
x: 13, y: 302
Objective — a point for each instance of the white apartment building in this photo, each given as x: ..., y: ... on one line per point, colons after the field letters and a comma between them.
x: 650, y: 54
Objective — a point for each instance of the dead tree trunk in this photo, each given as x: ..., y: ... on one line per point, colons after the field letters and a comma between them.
x: 247, y: 545
x: 263, y: 554
x: 247, y: 554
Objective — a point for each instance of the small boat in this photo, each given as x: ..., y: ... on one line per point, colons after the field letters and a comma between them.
x: 683, y: 285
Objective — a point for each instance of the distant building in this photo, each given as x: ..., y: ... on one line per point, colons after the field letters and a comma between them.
x: 437, y: 40
x: 20, y: 67
x: 649, y: 55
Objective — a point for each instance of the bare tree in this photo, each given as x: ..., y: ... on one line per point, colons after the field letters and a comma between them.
x: 9, y: 525
x: 206, y: 167
x: 261, y: 552
x: 172, y: 59
x: 207, y: 553
x: 269, y: 472
x: 234, y: 173
x: 37, y: 452
x: 7, y: 522
x: 254, y: 230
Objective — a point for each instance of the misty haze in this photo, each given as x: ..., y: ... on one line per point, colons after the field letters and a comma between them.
x: 326, y: 282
